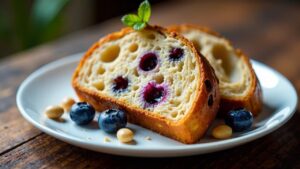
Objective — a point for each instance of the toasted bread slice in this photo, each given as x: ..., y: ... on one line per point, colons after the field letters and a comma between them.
x: 239, y: 86
x: 156, y: 76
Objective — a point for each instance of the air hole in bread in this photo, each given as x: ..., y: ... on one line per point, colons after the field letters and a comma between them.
x: 133, y: 57
x: 192, y: 78
x: 159, y: 78
x: 192, y: 65
x: 188, y: 96
x: 176, y: 103
x: 150, y: 36
x: 158, y: 48
x: 133, y: 47
x: 147, y: 34
x: 178, y: 92
x: 135, y: 88
x: 180, y: 77
x: 170, y: 79
x: 86, y: 80
x: 135, y: 72
x: 181, y: 112
x: 197, y: 45
x: 180, y: 66
x: 99, y: 85
x: 111, y: 69
x: 144, y: 45
x: 101, y: 70
x: 210, y: 101
x: 89, y: 71
x: 174, y: 114
x: 220, y: 52
x: 126, y: 70
x: 110, y: 53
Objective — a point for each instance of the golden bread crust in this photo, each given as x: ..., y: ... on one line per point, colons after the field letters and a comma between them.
x: 190, y: 128
x: 253, y: 100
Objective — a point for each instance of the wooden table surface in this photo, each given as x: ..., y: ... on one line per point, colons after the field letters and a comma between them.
x: 268, y: 32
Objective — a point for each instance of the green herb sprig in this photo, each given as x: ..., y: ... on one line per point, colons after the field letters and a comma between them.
x: 139, y: 21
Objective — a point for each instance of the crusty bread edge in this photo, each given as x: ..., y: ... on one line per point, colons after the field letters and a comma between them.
x: 253, y: 100
x: 190, y: 128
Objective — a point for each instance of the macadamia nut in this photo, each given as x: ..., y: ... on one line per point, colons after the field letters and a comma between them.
x: 125, y: 135
x: 54, y: 112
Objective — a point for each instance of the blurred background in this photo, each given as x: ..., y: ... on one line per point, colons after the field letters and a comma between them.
x: 28, y: 23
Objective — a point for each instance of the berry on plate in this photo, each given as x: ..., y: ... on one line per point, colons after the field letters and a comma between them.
x: 239, y: 119
x: 82, y: 113
x: 112, y: 120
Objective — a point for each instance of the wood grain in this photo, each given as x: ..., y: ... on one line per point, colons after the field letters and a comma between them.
x: 272, y: 151
x: 16, y: 68
x: 268, y: 32
x: 15, y: 130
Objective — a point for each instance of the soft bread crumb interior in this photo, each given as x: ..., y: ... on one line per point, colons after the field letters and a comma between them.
x: 232, y: 72
x: 121, y: 57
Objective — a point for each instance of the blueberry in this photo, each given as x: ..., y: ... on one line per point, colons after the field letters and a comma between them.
x: 112, y: 120
x: 82, y: 113
x: 176, y: 54
x: 239, y: 119
x: 148, y: 61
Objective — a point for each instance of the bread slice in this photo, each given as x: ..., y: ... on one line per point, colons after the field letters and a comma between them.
x: 239, y: 86
x: 171, y: 89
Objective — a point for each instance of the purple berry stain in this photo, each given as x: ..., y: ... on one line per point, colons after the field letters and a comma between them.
x: 120, y: 84
x: 154, y: 93
x: 148, y: 61
x: 176, y: 54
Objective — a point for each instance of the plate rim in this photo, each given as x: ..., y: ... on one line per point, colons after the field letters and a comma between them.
x: 194, y: 148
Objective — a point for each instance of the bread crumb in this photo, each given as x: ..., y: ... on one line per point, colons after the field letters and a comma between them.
x: 106, y: 139
x: 148, y: 138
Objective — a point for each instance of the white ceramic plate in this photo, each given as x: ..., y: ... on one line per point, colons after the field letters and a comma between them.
x: 51, y: 83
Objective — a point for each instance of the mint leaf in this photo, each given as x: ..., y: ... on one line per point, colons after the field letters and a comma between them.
x: 130, y: 19
x: 139, y: 26
x: 138, y: 22
x: 144, y: 11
